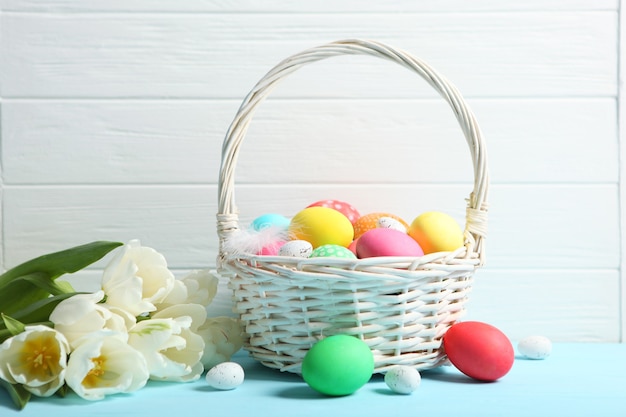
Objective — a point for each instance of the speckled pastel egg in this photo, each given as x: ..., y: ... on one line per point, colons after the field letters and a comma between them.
x: 332, y: 251
x: 535, y: 347
x: 321, y: 226
x: 403, y: 379
x: 338, y: 365
x: 296, y: 249
x: 390, y: 223
x: 387, y: 242
x: 270, y: 220
x: 370, y: 221
x: 344, y: 208
x: 225, y: 376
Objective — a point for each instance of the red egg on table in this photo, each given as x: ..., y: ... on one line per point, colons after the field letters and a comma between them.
x: 341, y: 206
x: 479, y: 350
x: 387, y: 242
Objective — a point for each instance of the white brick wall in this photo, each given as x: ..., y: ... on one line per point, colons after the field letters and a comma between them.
x: 113, y: 113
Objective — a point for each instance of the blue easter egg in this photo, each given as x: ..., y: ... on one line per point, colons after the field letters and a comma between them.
x: 270, y: 220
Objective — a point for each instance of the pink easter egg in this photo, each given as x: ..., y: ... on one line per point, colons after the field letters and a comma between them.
x: 344, y: 208
x: 271, y: 249
x: 387, y: 242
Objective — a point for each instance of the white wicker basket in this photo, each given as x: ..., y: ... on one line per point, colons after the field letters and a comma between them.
x: 401, y: 307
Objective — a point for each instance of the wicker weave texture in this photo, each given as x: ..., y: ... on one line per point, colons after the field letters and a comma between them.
x: 399, y: 306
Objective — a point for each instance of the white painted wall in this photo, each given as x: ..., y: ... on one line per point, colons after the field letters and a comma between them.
x: 113, y: 114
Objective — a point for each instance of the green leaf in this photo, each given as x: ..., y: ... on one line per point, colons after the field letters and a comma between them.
x: 34, y: 280
x: 39, y: 311
x: 17, y: 392
x: 65, y: 287
x: 62, y: 392
x: 14, y: 326
x: 41, y: 281
x: 4, y: 334
x: 63, y: 262
x: 18, y: 295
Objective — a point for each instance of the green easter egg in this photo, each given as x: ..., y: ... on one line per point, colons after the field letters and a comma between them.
x: 338, y: 365
x: 332, y: 251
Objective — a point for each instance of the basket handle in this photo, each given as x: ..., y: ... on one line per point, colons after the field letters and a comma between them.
x: 476, y: 214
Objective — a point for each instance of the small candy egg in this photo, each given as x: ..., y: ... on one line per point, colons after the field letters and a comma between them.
x: 387, y: 242
x: 436, y: 232
x: 403, y: 379
x: 332, y: 251
x: 296, y: 248
x: 225, y: 376
x: 270, y: 220
x: 321, y: 226
x: 479, y: 350
x: 535, y: 347
x: 390, y: 223
x: 344, y: 208
x: 338, y: 365
x: 370, y: 221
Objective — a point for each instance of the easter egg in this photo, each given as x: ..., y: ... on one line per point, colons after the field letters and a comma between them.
x: 370, y: 221
x: 352, y: 246
x: 270, y: 220
x: 344, y: 208
x: 225, y: 376
x: 403, y: 379
x: 338, y: 365
x: 271, y: 248
x: 390, y: 223
x: 296, y: 248
x: 320, y: 226
x: 436, y: 232
x: 332, y: 251
x: 535, y: 347
x: 387, y: 242
x: 479, y: 350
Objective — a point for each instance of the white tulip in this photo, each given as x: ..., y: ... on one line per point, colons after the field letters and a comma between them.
x: 201, y: 287
x: 197, y: 287
x: 35, y: 358
x: 82, y: 314
x: 104, y: 364
x: 223, y: 336
x: 137, y: 278
x: 172, y: 350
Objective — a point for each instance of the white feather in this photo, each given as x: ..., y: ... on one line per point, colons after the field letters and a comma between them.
x: 252, y: 241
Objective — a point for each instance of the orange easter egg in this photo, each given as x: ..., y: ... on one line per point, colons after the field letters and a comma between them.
x: 370, y: 221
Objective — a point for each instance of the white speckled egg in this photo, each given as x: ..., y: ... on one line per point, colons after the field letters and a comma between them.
x: 535, y: 347
x: 296, y: 248
x: 225, y: 376
x: 390, y: 223
x: 403, y: 379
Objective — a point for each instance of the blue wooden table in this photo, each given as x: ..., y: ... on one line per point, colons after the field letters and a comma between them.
x: 576, y: 380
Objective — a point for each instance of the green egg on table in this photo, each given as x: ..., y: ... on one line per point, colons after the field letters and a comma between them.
x: 338, y: 365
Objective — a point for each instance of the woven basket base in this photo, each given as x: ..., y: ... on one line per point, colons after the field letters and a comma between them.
x: 402, y: 321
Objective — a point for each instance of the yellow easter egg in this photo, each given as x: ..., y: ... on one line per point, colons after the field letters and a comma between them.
x: 321, y: 226
x: 436, y: 232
